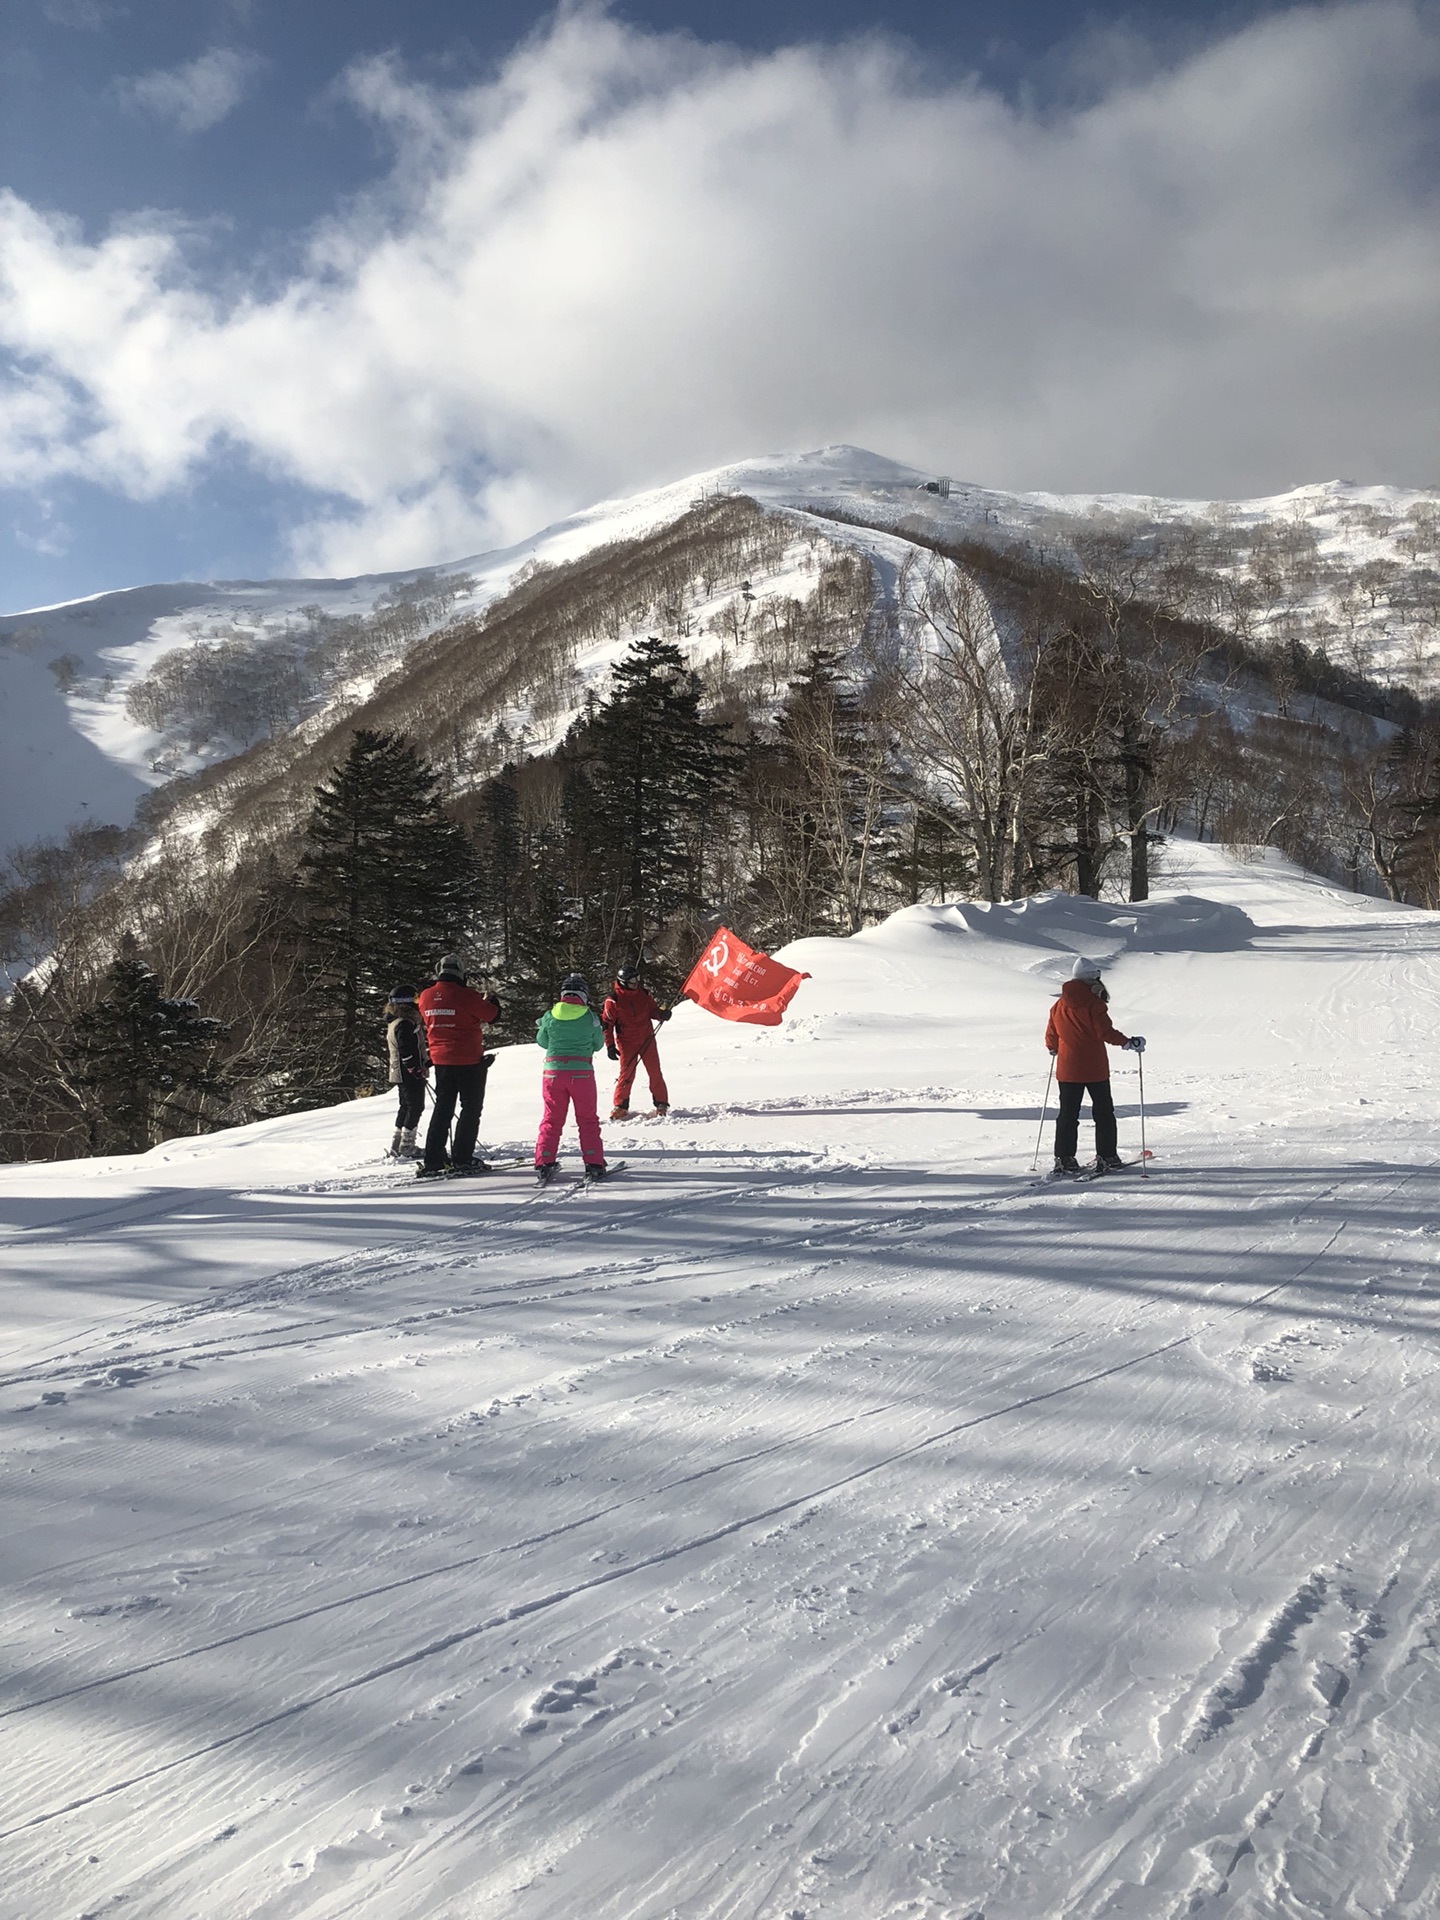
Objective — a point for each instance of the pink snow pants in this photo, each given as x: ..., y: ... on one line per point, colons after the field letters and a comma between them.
x: 562, y: 1091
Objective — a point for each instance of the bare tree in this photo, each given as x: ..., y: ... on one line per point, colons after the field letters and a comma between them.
x: 969, y: 716
x: 1146, y: 662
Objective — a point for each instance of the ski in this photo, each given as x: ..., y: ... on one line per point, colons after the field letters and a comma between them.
x: 1137, y: 1165
x: 1058, y: 1178
x: 612, y: 1167
x: 480, y: 1171
x: 569, y: 1182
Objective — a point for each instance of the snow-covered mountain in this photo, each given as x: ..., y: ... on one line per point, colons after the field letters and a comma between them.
x: 824, y: 1519
x: 1348, y: 566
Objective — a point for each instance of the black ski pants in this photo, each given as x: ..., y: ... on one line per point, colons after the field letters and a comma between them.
x: 1102, y: 1111
x: 412, y: 1100
x: 467, y: 1085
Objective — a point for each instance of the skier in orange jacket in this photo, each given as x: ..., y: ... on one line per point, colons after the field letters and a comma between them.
x: 1077, y: 1033
x: 628, y: 1017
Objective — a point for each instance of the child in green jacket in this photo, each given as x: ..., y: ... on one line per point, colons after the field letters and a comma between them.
x: 571, y: 1035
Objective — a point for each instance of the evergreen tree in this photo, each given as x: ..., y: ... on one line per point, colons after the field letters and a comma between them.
x: 385, y: 883
x: 501, y: 874
x: 929, y: 859
x: 551, y: 932
x: 141, y: 1062
x: 657, y: 780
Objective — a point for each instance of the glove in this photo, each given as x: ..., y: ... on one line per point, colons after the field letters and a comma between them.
x: 612, y: 1050
x: 1136, y: 1043
x: 663, y: 1015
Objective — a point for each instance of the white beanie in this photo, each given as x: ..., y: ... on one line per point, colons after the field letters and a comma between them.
x: 1084, y: 969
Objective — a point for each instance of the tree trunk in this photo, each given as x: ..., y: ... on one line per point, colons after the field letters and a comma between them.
x: 1137, y: 783
x: 1087, y: 840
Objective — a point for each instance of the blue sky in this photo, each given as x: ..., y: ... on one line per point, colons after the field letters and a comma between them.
x: 336, y: 284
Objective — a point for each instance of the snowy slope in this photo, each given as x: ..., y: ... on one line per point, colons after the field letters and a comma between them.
x: 822, y: 1520
x: 76, y: 757
x: 68, y: 758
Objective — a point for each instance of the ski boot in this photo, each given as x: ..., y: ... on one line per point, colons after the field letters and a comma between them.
x: 1067, y: 1167
x: 620, y: 1113
x: 595, y: 1170
x: 422, y: 1172
x: 660, y: 1110
x: 1109, y: 1163
x: 407, y: 1149
x: 396, y: 1149
x: 544, y: 1172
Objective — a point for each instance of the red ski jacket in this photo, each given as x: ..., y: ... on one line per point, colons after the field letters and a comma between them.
x: 455, y: 1021
x: 627, y: 1014
x: 1077, y: 1033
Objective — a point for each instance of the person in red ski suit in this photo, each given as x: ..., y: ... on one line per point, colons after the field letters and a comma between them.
x: 455, y: 1017
x: 1077, y: 1033
x: 628, y: 1018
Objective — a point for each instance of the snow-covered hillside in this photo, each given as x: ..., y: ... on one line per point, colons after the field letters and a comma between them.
x: 821, y: 1520
x: 69, y: 752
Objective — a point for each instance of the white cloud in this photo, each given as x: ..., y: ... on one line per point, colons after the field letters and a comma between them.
x: 198, y: 95
x: 631, y: 256
x: 44, y: 532
x: 89, y: 15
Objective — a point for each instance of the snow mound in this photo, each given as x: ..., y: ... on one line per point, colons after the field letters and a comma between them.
x: 1097, y: 929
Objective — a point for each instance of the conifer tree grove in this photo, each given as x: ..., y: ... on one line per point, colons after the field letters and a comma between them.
x: 141, y: 1063
x: 656, y: 775
x: 385, y: 883
x: 501, y: 865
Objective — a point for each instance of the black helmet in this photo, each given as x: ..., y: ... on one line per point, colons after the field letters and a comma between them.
x: 575, y: 983
x: 450, y: 968
x: 627, y: 975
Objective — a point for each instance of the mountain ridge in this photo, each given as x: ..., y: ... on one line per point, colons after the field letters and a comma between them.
x: 69, y: 752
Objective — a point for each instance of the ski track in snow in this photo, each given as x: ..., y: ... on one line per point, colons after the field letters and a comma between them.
x: 828, y: 1520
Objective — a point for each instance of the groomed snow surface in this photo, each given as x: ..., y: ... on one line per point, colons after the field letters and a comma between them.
x: 823, y: 1519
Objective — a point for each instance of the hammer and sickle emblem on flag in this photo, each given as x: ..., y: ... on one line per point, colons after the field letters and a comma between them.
x: 734, y: 982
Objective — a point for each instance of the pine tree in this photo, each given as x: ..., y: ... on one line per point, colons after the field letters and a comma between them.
x: 141, y: 1062
x: 501, y: 867
x: 386, y: 882
x: 929, y: 859
x: 657, y: 778
x: 550, y: 936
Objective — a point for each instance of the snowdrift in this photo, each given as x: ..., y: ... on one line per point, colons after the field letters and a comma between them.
x: 1096, y: 929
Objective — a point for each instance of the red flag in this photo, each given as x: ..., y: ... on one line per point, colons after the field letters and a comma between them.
x: 733, y: 981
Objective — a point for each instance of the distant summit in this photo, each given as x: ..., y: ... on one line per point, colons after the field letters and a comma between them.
x: 103, y: 699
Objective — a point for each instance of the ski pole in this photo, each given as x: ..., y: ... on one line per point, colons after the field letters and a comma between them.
x: 1035, y: 1163
x: 1144, y: 1155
